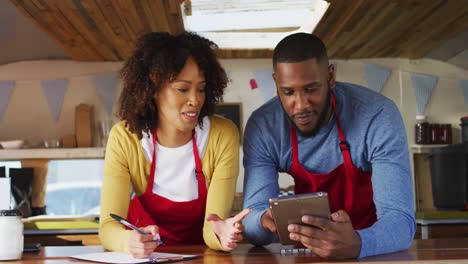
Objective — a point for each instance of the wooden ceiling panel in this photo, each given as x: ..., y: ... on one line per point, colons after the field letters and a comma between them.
x: 97, y: 30
x: 102, y: 22
x: 431, y: 32
x: 353, y: 23
x: 244, y: 53
x: 42, y: 14
x: 88, y: 28
x: 388, y: 28
x: 101, y: 30
x: 128, y: 14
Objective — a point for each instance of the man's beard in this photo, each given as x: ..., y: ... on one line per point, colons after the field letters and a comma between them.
x: 320, y: 120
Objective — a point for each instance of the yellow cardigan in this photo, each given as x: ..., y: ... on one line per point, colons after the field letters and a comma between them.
x: 126, y: 166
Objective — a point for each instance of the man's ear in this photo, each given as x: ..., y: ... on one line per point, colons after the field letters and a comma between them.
x: 331, y: 76
x: 274, y: 80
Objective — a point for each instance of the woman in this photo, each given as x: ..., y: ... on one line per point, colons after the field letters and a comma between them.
x: 181, y: 160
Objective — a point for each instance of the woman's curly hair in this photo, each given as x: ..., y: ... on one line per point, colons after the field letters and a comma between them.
x: 158, y: 59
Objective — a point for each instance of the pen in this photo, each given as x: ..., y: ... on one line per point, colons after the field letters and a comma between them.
x: 129, y: 225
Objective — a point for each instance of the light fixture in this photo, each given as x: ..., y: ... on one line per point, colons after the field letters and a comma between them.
x: 251, y: 24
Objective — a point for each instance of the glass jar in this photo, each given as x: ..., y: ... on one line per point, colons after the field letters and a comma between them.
x: 11, y: 235
x: 435, y: 133
x: 421, y: 130
x: 446, y: 134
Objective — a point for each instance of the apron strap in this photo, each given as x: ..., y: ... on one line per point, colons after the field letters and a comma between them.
x: 198, y: 166
x: 348, y: 163
x: 149, y: 187
x: 294, y: 146
x: 345, y: 152
x: 344, y: 145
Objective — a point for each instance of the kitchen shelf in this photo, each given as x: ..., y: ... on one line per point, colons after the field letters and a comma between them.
x: 424, y: 149
x: 52, y: 153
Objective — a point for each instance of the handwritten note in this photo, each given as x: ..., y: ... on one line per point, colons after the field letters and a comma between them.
x: 119, y: 257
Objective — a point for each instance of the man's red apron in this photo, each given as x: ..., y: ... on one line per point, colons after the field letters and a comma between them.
x: 178, y: 222
x: 348, y: 187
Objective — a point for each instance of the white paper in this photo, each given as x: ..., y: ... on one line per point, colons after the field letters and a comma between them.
x: 5, y: 193
x: 59, y: 218
x: 119, y: 257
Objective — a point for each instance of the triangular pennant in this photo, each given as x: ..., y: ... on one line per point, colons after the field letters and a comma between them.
x: 376, y: 76
x: 265, y: 83
x: 6, y: 89
x: 253, y: 84
x: 106, y: 87
x: 422, y: 88
x: 55, y: 90
x: 464, y: 88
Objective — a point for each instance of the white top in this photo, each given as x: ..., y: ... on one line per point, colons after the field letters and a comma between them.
x: 175, y: 167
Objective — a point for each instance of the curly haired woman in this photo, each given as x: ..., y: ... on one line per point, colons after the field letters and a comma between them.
x: 180, y: 160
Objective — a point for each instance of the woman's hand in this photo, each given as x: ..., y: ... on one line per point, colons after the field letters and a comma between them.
x: 141, y: 246
x: 229, y: 231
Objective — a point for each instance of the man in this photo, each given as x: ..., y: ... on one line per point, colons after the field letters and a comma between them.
x: 335, y: 137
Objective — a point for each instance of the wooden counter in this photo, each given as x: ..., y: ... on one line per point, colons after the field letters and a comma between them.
x: 422, y: 251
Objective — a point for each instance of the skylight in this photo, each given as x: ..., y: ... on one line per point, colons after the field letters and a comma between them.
x: 251, y: 24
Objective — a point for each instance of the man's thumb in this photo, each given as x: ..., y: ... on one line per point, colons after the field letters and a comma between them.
x: 340, y: 217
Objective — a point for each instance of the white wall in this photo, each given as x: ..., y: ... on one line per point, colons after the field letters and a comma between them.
x: 28, y: 116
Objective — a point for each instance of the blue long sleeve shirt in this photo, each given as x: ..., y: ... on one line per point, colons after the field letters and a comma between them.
x: 376, y: 134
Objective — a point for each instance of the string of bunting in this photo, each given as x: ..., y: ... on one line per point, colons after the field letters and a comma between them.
x: 376, y: 76
x: 106, y: 85
x: 54, y: 90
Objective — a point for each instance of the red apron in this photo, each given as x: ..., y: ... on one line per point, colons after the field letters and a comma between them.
x: 178, y: 222
x: 348, y: 187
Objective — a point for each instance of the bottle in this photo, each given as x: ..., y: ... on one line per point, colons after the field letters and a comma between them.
x: 11, y: 235
x: 421, y: 130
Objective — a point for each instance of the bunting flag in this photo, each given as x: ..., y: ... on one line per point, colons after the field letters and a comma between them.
x: 422, y: 88
x: 55, y: 90
x: 106, y: 87
x: 463, y: 86
x: 265, y: 83
x: 376, y: 76
x: 253, y: 84
x: 6, y: 89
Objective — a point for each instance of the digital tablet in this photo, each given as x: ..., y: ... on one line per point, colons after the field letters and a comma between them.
x: 290, y: 209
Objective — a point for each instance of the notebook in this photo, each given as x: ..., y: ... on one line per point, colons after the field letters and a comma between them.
x: 119, y: 257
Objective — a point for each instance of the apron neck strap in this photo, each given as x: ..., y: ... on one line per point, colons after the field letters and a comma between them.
x: 344, y: 145
x: 198, y: 166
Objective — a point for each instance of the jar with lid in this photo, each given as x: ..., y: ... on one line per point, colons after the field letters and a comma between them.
x: 446, y: 134
x: 421, y: 130
x: 435, y: 132
x: 11, y: 235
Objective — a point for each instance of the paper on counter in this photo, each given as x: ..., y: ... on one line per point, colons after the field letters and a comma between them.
x: 123, y: 258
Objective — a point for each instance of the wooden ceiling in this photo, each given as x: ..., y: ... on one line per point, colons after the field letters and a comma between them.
x: 101, y: 30
x: 403, y: 28
x: 106, y: 30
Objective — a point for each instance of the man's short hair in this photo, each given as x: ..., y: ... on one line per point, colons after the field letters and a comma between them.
x: 299, y: 47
